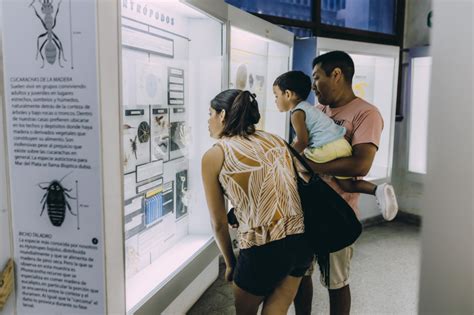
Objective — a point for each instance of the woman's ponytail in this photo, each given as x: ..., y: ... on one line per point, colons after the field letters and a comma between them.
x: 241, y: 112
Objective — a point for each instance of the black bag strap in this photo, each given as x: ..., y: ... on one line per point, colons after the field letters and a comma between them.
x: 321, y: 257
x: 302, y: 161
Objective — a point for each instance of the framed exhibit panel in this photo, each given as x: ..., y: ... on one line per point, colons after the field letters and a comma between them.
x: 259, y: 53
x: 53, y: 140
x: 166, y: 51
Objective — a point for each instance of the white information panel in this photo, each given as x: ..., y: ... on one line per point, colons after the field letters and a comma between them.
x: 53, y: 132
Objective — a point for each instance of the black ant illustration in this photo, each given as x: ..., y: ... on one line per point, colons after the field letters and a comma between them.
x: 52, y: 41
x: 133, y: 143
x: 55, y: 199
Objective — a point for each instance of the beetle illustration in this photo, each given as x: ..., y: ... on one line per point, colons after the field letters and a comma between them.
x: 52, y: 44
x: 56, y: 200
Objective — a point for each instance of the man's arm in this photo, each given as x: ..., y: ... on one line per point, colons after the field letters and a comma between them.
x: 353, y: 166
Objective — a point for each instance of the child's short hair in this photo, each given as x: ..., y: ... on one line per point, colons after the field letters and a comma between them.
x: 295, y: 81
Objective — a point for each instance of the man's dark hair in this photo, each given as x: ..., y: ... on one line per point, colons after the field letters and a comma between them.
x: 336, y: 59
x: 295, y: 81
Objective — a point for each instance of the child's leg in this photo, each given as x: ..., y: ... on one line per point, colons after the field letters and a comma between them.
x: 384, y: 194
x: 357, y: 186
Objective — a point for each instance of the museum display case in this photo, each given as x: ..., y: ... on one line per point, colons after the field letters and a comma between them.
x: 172, y: 66
x: 105, y: 127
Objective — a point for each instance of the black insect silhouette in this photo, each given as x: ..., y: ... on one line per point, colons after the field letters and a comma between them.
x: 56, y: 200
x: 52, y: 44
x: 133, y: 143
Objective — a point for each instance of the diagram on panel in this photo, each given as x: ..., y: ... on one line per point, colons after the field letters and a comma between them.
x: 48, y: 44
x: 136, y: 137
x: 160, y: 134
x: 56, y: 200
x: 151, y: 84
x: 182, y: 195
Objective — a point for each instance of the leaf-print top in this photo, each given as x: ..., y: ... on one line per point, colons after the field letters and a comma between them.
x: 259, y: 179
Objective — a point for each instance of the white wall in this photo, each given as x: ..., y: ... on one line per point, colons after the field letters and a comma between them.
x: 447, y: 277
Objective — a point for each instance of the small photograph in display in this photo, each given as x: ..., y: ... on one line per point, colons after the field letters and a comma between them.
x: 160, y: 148
x: 143, y: 132
x: 160, y: 131
x: 136, y: 137
x: 182, y: 195
x: 178, y: 138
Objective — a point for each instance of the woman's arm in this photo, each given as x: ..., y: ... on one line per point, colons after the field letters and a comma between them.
x: 212, y: 162
x: 302, y: 138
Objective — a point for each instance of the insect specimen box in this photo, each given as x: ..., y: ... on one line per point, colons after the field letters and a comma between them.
x: 164, y: 135
x: 175, y: 65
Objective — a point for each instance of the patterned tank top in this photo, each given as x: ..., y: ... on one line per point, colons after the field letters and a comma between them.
x: 259, y: 179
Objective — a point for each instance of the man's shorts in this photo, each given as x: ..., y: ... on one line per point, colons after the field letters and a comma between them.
x: 339, y: 263
x: 260, y: 269
x: 330, y: 151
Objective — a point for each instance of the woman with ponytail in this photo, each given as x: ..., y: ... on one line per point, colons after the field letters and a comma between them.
x: 254, y: 170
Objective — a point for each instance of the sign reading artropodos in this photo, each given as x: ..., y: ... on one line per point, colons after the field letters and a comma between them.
x: 51, y: 96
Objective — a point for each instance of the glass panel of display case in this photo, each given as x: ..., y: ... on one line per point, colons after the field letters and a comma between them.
x: 291, y: 9
x: 255, y: 63
x: 419, y: 104
x: 166, y: 53
x: 368, y: 15
x: 374, y: 81
x: 299, y: 32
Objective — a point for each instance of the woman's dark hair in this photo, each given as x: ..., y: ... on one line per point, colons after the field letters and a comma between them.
x: 241, y: 109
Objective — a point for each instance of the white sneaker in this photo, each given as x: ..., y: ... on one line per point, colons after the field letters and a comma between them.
x: 386, y: 201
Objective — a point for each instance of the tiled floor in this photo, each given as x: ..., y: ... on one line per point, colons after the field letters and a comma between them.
x: 384, y: 276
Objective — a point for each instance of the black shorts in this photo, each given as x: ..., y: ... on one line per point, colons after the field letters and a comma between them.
x: 260, y: 269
